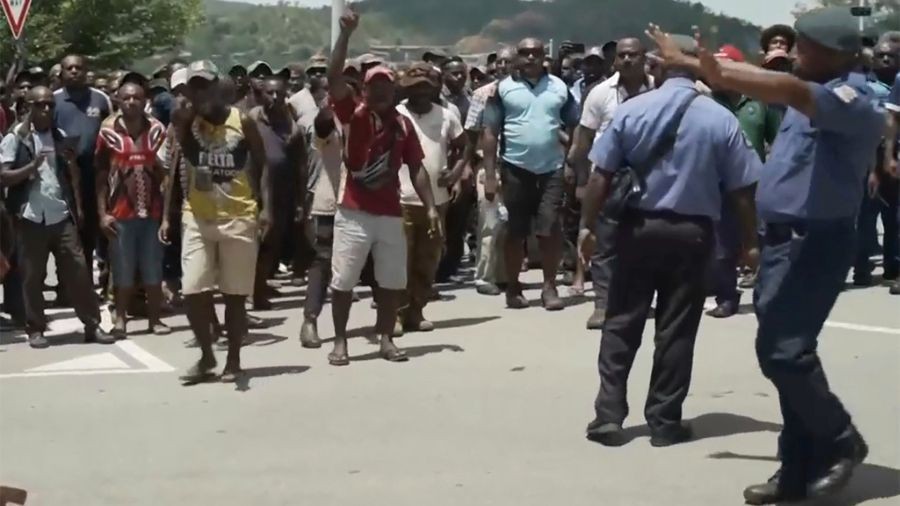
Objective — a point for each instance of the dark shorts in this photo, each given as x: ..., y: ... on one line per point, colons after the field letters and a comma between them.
x: 533, y: 201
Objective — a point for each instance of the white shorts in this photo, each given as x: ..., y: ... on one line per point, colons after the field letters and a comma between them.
x: 356, y: 233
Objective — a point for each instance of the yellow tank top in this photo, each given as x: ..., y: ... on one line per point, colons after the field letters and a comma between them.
x: 218, y: 183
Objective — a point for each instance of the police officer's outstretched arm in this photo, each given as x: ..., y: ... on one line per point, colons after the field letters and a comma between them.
x: 829, y: 108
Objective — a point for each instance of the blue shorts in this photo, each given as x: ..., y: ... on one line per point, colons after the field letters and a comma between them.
x: 136, y: 247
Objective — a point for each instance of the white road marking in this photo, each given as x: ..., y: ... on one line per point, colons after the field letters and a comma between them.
x: 98, y: 361
x: 150, y: 361
x: 862, y: 328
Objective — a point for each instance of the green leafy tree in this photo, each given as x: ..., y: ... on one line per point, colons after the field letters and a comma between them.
x: 113, y: 33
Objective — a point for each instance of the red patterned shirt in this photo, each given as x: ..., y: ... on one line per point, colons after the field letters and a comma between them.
x: 135, y: 178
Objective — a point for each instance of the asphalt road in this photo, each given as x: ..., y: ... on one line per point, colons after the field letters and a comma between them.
x: 490, y: 411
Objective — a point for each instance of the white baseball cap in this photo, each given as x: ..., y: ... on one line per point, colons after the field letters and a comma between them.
x: 179, y: 77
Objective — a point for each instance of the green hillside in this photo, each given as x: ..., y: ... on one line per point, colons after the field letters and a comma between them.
x: 237, y: 32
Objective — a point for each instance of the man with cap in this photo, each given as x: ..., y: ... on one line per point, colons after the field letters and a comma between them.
x: 692, y: 155
x: 256, y: 72
x: 379, y: 140
x: 592, y: 72
x: 441, y: 136
x: 302, y: 102
x: 530, y: 111
x: 760, y: 125
x: 808, y: 197
x: 436, y: 57
x: 629, y: 80
x: 226, y: 212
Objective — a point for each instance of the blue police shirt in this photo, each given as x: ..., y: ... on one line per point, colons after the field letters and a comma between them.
x: 531, y: 117
x: 893, y: 101
x: 82, y: 118
x: 816, y: 167
x: 710, y: 150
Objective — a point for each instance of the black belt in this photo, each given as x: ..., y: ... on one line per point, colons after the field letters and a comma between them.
x: 633, y: 214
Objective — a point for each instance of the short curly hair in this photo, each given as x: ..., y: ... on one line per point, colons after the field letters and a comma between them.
x: 775, y: 30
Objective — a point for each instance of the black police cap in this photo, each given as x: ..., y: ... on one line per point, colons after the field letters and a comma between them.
x: 832, y: 27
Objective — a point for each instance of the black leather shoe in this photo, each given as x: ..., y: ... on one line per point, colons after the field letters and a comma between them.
x: 38, y: 341
x: 852, y: 452
x: 724, y: 310
x: 597, y: 319
x: 97, y: 335
x: 606, y: 433
x: 671, y: 436
x: 774, y: 491
x: 309, y: 335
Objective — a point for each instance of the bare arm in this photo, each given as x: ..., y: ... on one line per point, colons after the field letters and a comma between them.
x: 102, y: 166
x: 259, y: 168
x: 744, y: 203
x: 890, y: 162
x: 595, y: 195
x: 12, y: 177
x: 578, y: 153
x: 337, y: 84
x: 422, y: 184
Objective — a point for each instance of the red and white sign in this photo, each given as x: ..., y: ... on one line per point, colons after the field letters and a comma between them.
x: 16, y: 12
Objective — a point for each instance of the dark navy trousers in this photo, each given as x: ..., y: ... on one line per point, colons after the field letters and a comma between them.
x: 803, y: 267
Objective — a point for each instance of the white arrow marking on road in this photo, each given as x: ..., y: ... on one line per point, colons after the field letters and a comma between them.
x: 89, y: 362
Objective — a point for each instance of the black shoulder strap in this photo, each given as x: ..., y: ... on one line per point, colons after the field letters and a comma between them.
x: 668, y: 140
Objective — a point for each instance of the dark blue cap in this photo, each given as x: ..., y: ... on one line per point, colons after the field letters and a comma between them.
x: 832, y: 27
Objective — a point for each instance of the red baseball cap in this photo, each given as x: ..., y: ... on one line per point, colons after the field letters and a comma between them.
x: 379, y: 72
x: 776, y: 54
x: 729, y: 52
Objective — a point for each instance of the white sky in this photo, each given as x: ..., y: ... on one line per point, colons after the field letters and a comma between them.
x: 761, y: 12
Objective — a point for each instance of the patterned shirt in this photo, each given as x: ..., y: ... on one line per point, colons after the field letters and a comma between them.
x: 134, y: 180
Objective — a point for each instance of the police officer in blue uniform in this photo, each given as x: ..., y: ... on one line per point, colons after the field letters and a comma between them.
x: 665, y: 236
x: 808, y: 196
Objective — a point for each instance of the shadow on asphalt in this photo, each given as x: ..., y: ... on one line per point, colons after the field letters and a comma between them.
x: 412, y: 351
x: 869, y: 482
x: 243, y: 383
x: 463, y: 322
x: 712, y: 425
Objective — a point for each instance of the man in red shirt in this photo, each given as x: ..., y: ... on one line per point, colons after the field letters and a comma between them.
x: 130, y: 203
x: 378, y: 142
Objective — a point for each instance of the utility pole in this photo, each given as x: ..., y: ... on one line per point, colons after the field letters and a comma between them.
x: 337, y: 10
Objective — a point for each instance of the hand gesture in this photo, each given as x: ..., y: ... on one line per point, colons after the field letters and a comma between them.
x: 669, y: 52
x: 349, y: 21
x: 872, y: 184
x: 110, y: 226
x: 36, y: 164
x: 890, y: 166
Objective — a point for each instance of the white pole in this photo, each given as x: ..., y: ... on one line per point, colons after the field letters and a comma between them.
x: 337, y: 10
x: 862, y: 3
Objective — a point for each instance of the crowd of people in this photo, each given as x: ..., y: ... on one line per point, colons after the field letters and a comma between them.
x: 682, y: 172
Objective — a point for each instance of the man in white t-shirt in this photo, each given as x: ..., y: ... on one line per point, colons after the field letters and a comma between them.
x: 440, y: 133
x: 600, y: 106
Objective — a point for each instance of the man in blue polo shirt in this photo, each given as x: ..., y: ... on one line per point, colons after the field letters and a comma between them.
x: 79, y: 111
x: 531, y: 114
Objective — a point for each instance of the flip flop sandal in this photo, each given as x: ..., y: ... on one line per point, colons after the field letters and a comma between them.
x: 394, y: 355
x: 338, y: 360
x: 231, y: 376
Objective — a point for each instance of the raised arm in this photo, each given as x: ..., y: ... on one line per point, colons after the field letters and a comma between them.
x: 337, y: 84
